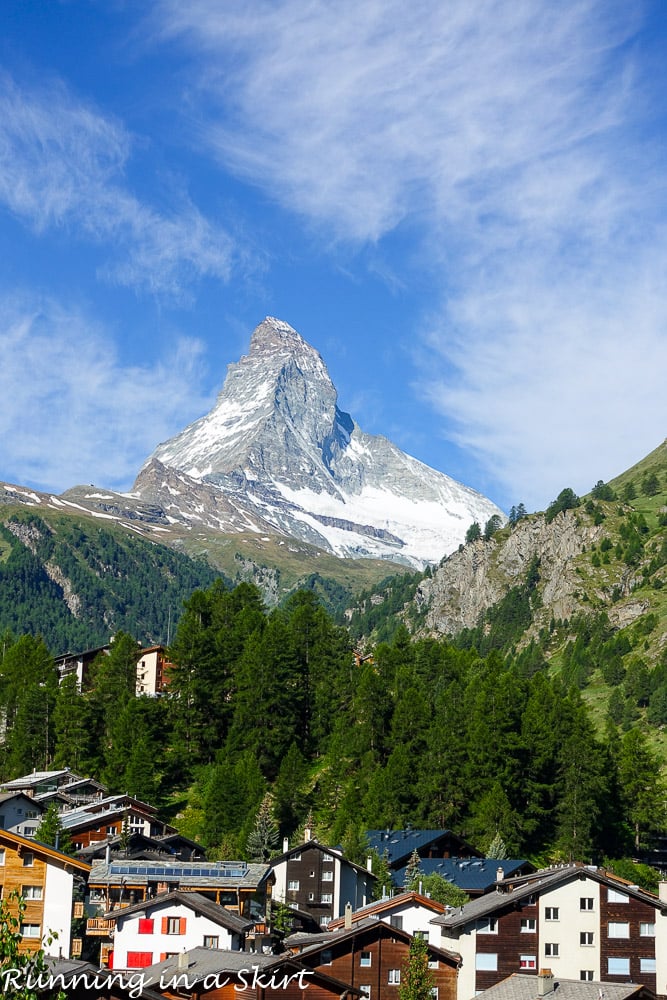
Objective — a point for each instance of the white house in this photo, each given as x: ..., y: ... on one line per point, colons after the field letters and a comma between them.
x: 171, y: 923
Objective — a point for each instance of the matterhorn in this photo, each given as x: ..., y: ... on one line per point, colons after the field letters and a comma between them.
x: 276, y: 455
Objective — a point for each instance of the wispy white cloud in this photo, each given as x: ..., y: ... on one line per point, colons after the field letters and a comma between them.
x: 64, y: 165
x: 512, y: 137
x: 98, y: 418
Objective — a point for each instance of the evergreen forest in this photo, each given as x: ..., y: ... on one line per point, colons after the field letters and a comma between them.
x: 269, y: 710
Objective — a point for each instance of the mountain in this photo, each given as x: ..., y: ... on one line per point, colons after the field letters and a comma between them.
x: 277, y: 456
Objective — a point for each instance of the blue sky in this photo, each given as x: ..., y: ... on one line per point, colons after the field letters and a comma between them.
x: 461, y: 206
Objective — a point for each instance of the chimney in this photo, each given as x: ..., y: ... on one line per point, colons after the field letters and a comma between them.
x: 107, y: 854
x: 348, y: 916
x: 500, y: 874
x: 545, y: 982
x: 369, y: 863
x: 307, y: 834
x: 182, y: 960
x: 662, y: 891
x: 285, y: 845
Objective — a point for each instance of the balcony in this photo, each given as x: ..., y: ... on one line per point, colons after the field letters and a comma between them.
x: 99, y: 927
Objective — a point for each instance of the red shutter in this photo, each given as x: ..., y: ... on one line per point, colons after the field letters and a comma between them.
x: 139, y: 959
x: 182, y: 929
x: 145, y: 925
x: 165, y: 925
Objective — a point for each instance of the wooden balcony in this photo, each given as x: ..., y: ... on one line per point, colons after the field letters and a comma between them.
x: 99, y: 927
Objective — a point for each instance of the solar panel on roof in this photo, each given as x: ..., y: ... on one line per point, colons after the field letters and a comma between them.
x: 236, y: 869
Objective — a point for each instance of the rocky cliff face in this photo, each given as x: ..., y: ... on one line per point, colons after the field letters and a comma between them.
x: 276, y: 454
x: 478, y: 576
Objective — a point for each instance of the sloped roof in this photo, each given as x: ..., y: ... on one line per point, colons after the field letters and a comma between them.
x: 514, y: 890
x: 473, y: 875
x: 373, y: 926
x: 45, y: 851
x: 335, y: 852
x: 521, y: 986
x: 399, y: 844
x: 192, y: 901
x: 185, y: 873
x: 390, y: 903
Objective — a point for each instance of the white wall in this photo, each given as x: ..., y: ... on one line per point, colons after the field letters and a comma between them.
x: 57, y: 910
x: 127, y: 937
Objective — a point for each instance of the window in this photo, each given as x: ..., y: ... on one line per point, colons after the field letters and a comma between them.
x: 433, y: 963
x: 646, y: 930
x: 211, y: 941
x: 311, y: 897
x: 327, y: 897
x: 327, y: 876
x: 552, y: 950
x: 327, y: 956
x: 396, y: 922
x: 139, y: 959
x: 365, y: 958
x: 293, y: 885
x: 613, y: 896
x: 618, y: 966
x: 145, y: 926
x: 434, y: 993
x: 2, y: 856
x: 528, y: 925
x: 32, y: 892
x: 311, y: 874
x: 489, y: 926
x: 325, y: 921
x: 173, y: 925
x: 585, y: 937
x: 419, y: 935
x: 28, y: 859
x: 394, y: 977
x: 29, y: 831
x: 528, y: 961
x: 616, y: 929
x: 30, y: 930
x: 647, y: 965
x: 296, y: 857
x: 327, y: 857
x: 586, y: 902
x: 586, y: 975
x: 486, y: 962
x: 551, y: 913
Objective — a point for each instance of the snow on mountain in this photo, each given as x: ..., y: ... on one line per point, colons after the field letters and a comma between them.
x: 276, y: 453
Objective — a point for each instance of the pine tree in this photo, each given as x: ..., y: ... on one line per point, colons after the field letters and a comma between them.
x: 417, y: 980
x: 497, y: 848
x: 413, y: 873
x: 383, y: 874
x: 264, y: 836
x: 51, y: 831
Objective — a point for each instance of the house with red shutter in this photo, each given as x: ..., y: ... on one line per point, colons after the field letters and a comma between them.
x: 169, y: 924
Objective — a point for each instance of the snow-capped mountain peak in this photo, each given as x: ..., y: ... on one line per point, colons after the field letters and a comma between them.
x: 279, y: 452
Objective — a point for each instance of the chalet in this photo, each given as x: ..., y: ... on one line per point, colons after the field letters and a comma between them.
x: 138, y: 847
x: 107, y: 817
x: 19, y: 813
x: 218, y: 975
x: 153, y: 667
x: 521, y: 986
x: 408, y: 911
x: 474, y: 876
x: 399, y: 845
x: 576, y: 919
x: 45, y: 879
x: 79, y: 664
x: 171, y: 923
x: 242, y: 888
x: 371, y: 956
x: 320, y: 881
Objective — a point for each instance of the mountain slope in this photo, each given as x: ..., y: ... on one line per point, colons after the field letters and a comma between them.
x: 277, y: 454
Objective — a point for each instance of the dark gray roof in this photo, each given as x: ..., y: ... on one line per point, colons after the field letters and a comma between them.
x: 516, y: 889
x: 335, y: 852
x: 194, y: 901
x: 521, y: 986
x: 399, y: 844
x: 185, y: 873
x: 473, y: 875
x: 96, y: 979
